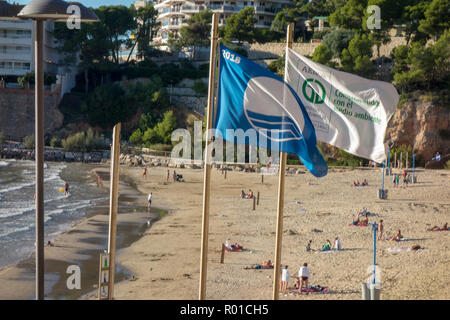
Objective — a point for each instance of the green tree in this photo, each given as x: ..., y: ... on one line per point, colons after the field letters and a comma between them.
x: 356, y: 58
x: 436, y: 20
x: 350, y: 16
x: 162, y: 131
x: 118, y: 22
x: 106, y: 106
x: 146, y: 28
x: 337, y: 40
x: 240, y: 27
x: 322, y: 54
x: 196, y: 33
x: 136, y: 137
x: 419, y: 67
x: 412, y: 15
x: 89, y: 44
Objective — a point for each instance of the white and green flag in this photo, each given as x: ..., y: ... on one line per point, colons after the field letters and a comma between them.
x: 347, y: 111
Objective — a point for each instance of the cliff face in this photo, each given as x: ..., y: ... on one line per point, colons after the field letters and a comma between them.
x: 422, y: 124
x: 17, y: 112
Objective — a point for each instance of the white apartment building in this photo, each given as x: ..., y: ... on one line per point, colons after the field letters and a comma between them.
x: 174, y: 13
x: 17, y: 43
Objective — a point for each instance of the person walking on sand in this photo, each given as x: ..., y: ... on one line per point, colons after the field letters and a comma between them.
x: 284, y: 279
x: 149, y: 202
x: 303, y: 276
x: 380, y: 229
x: 144, y: 173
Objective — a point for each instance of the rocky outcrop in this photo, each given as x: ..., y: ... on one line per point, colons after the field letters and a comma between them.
x: 422, y: 124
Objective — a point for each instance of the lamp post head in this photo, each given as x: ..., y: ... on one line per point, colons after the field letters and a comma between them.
x: 57, y: 10
x: 44, y: 10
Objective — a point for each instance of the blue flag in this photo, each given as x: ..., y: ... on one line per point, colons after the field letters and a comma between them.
x: 252, y: 97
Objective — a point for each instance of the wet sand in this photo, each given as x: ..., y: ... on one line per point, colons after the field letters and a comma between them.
x: 81, y: 246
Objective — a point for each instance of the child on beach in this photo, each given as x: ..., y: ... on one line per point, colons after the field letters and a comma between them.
x: 284, y: 279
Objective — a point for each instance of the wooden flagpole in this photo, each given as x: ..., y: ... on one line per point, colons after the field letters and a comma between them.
x: 113, y: 199
x: 283, y: 157
x: 207, y: 172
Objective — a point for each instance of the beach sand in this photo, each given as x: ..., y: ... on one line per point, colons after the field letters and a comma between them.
x: 166, y: 259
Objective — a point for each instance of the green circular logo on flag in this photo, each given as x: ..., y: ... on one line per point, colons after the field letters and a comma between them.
x: 314, y: 95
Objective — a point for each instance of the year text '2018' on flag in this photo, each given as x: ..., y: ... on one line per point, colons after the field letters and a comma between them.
x: 252, y: 97
x: 348, y: 111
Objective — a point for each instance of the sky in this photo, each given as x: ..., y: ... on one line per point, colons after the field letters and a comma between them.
x: 89, y: 3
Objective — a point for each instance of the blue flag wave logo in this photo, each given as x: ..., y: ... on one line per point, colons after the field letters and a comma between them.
x: 252, y: 97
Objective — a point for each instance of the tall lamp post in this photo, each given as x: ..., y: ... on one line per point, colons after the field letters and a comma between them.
x: 40, y: 11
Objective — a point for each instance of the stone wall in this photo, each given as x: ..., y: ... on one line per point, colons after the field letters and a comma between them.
x: 17, y: 112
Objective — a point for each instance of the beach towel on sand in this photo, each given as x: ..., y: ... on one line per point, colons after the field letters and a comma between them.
x: 398, y: 249
x: 311, y: 289
x: 358, y: 225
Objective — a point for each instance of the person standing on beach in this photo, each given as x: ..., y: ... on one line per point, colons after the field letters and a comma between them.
x: 144, y: 173
x: 284, y: 279
x: 66, y: 188
x: 168, y: 175
x: 303, y: 276
x: 149, y: 202
x: 380, y: 229
x: 174, y: 176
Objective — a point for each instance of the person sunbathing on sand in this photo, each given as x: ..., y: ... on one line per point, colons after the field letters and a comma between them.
x: 365, y: 183
x: 364, y: 221
x: 355, y: 221
x: 356, y: 184
x: 436, y: 228
x: 397, y: 237
x: 243, y: 195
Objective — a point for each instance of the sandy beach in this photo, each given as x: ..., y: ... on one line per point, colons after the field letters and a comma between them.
x: 166, y: 259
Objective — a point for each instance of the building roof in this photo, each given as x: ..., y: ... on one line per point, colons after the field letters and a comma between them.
x: 9, y: 11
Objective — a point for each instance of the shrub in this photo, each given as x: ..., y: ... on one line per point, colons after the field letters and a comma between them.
x: 84, y: 142
x: 55, y: 142
x: 28, y: 141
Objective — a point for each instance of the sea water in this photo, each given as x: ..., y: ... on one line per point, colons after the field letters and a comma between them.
x: 17, y: 208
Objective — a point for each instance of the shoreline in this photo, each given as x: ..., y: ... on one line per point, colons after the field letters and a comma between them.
x: 80, y: 245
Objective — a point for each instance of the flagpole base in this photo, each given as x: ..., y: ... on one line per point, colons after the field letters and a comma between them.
x: 382, y: 193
